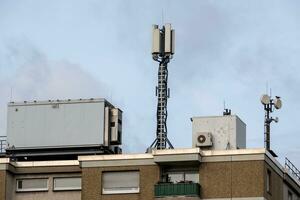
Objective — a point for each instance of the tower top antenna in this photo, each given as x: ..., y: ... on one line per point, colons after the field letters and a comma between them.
x: 226, y: 111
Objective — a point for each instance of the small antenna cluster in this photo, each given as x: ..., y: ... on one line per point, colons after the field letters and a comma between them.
x: 226, y: 111
x: 162, y: 51
x: 269, y: 105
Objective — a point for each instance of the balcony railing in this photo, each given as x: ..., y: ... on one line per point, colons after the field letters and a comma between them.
x: 2, y: 144
x: 176, y: 189
x: 292, y: 168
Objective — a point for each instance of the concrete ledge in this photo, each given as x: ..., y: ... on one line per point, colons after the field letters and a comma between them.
x: 4, y: 160
x: 117, y: 163
x: 232, y: 152
x: 239, y: 198
x: 177, y: 158
x: 115, y: 157
x: 176, y: 151
x: 179, y: 198
x: 45, y: 163
x: 116, y: 160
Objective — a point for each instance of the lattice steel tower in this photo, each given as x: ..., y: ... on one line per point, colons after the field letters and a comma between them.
x: 162, y: 52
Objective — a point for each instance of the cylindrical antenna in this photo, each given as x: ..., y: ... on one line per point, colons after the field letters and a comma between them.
x: 11, y: 94
x: 162, y: 16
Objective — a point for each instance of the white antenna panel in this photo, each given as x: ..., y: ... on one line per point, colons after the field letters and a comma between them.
x: 173, y: 41
x: 156, y: 40
x: 168, y: 39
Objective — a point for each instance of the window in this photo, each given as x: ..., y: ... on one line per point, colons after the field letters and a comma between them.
x: 290, y: 195
x: 180, y: 174
x: 66, y: 183
x: 177, y: 177
x: 37, y: 184
x: 192, y: 176
x: 269, y: 181
x: 120, y: 182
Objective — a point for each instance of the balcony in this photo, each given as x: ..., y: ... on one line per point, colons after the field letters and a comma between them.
x: 177, y: 189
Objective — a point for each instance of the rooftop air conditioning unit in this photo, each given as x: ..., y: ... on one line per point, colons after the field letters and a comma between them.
x: 204, y: 139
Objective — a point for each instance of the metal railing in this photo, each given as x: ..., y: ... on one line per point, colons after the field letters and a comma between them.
x: 176, y: 189
x: 2, y: 144
x: 292, y: 168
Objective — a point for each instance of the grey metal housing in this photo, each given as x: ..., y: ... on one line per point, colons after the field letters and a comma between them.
x: 59, y: 124
x: 228, y: 132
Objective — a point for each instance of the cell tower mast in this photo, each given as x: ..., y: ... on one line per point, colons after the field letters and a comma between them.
x: 269, y: 105
x: 162, y: 52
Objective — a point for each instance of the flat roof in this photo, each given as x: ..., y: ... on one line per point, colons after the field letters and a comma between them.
x: 218, y: 116
x: 63, y: 101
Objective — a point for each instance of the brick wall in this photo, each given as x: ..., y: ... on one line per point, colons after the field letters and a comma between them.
x: 2, y: 184
x: 92, y: 187
x: 232, y: 179
x: 276, y: 184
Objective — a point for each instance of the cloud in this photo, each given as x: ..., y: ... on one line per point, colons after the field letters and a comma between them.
x: 36, y: 77
x: 39, y: 78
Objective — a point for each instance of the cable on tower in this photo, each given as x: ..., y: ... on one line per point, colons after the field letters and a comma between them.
x: 162, y: 51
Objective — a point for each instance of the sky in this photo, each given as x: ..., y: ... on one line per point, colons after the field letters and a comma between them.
x: 225, y: 51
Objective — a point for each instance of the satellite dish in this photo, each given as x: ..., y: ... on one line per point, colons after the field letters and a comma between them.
x: 265, y: 99
x: 277, y: 103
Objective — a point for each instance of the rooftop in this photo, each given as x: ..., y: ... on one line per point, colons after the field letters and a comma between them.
x: 160, y: 157
x: 23, y: 103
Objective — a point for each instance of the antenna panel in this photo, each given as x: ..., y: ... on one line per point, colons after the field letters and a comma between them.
x: 173, y: 41
x: 168, y: 39
x: 156, y: 40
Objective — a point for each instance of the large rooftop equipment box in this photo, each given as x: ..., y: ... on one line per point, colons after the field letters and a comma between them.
x: 219, y: 132
x: 83, y: 123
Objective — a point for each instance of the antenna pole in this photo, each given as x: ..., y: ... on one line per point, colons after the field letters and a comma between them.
x: 268, y: 109
x: 11, y: 93
x: 162, y: 16
x: 269, y: 105
x: 162, y: 51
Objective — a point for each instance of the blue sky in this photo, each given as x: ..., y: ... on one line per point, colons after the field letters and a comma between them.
x: 225, y: 50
